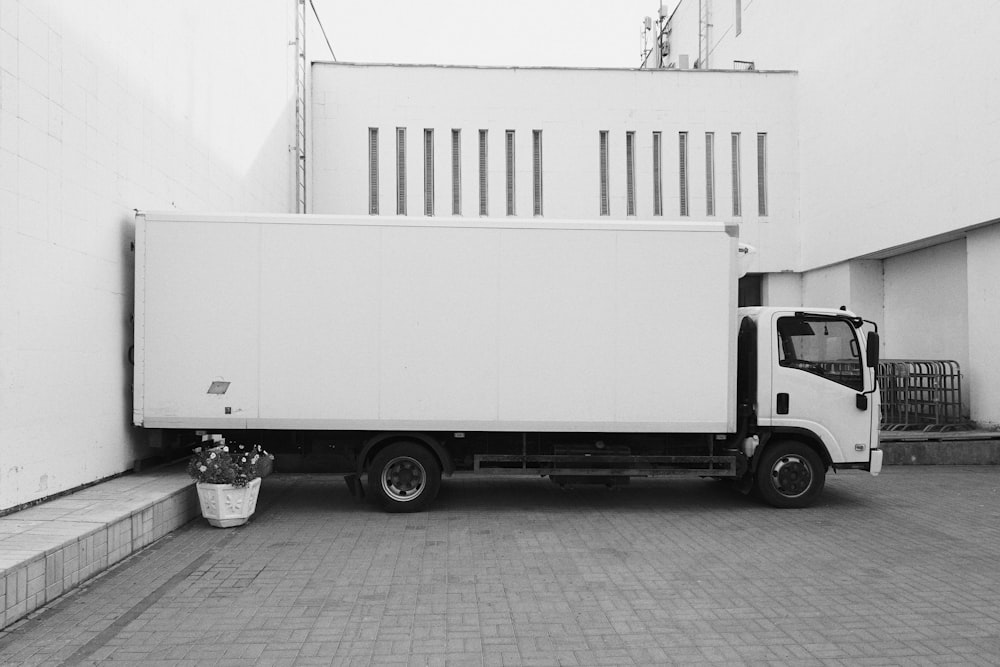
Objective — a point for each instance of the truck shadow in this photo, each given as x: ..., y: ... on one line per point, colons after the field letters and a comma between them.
x: 306, y: 494
x: 518, y: 494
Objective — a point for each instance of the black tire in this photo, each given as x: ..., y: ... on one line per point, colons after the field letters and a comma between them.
x: 790, y: 474
x: 404, y: 477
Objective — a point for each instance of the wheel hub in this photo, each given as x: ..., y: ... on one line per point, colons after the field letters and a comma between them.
x: 791, y: 476
x: 403, y: 478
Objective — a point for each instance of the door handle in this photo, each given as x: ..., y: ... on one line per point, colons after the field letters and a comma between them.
x: 782, y: 406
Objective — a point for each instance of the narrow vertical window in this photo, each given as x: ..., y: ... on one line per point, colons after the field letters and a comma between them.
x: 373, y: 171
x: 456, y: 172
x: 737, y: 194
x: 400, y: 171
x: 428, y: 172
x: 630, y: 173
x: 536, y: 171
x: 738, y: 16
x: 483, y: 174
x: 509, y: 150
x: 762, y: 174
x: 709, y: 173
x: 657, y: 175
x: 683, y: 164
x: 605, y: 199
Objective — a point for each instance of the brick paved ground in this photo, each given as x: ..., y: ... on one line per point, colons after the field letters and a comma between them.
x: 903, y: 569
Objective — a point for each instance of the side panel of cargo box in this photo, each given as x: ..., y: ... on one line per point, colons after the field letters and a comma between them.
x: 322, y: 322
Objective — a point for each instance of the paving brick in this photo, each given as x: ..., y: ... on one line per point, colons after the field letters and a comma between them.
x: 888, y: 571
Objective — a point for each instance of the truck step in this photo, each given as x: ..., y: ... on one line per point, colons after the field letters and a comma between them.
x: 602, y: 465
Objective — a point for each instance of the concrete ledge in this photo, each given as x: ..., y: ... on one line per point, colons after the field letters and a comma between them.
x: 941, y: 452
x: 53, y: 547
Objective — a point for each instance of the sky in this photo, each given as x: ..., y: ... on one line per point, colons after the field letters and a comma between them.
x: 584, y: 33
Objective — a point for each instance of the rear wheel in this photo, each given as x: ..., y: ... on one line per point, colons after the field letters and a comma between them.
x: 404, y: 477
x: 790, y: 474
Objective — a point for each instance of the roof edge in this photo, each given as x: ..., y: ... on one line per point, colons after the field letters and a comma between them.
x: 341, y: 63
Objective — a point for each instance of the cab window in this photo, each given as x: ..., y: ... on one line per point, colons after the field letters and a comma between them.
x: 821, y: 346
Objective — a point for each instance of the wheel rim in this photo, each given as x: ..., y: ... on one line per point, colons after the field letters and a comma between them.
x: 403, y: 479
x: 791, y: 475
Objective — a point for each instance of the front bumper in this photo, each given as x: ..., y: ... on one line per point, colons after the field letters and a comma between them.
x: 875, y: 462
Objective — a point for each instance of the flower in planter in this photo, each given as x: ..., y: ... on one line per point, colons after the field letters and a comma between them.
x: 233, y: 463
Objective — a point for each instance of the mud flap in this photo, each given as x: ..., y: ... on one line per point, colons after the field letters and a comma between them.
x: 355, y: 486
x: 875, y: 463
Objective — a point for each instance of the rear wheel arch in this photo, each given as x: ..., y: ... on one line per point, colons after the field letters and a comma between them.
x: 379, y: 442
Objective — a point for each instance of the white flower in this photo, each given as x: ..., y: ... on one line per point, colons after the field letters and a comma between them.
x: 203, y: 468
x: 212, y: 455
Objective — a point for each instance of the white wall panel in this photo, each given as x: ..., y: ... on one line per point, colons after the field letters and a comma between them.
x: 445, y: 324
x: 107, y: 106
x: 570, y: 107
x: 887, y: 132
x: 438, y: 324
x: 927, y: 305
x: 320, y: 287
x: 983, y: 247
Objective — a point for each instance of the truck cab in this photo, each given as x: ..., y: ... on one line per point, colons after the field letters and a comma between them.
x: 813, y: 398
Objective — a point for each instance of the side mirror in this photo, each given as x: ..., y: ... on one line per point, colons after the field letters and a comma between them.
x: 871, y: 350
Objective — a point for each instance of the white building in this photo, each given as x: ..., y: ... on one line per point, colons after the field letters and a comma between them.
x: 898, y: 108
x: 107, y: 106
x: 863, y: 164
x: 559, y: 143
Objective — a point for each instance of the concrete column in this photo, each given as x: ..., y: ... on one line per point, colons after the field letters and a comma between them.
x: 856, y: 284
x: 982, y: 376
x: 827, y: 287
x: 781, y: 289
x: 867, y: 296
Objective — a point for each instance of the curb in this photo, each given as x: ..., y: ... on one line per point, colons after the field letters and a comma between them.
x: 50, y: 549
x: 941, y: 452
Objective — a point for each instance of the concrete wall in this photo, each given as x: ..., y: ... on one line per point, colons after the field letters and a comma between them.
x: 570, y: 107
x: 856, y: 285
x: 896, y: 137
x: 781, y: 289
x: 684, y: 39
x: 981, y: 374
x: 108, y: 106
x: 827, y: 287
x: 927, y: 311
x: 919, y: 300
x: 896, y: 153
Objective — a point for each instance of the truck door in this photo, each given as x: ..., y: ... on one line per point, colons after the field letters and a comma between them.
x: 816, y: 381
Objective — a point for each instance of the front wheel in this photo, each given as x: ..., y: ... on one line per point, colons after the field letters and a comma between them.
x: 790, y: 474
x: 404, y: 477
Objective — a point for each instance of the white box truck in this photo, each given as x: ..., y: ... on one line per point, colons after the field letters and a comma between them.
x: 578, y: 350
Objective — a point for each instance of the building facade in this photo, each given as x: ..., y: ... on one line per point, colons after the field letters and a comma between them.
x: 108, y: 106
x: 560, y: 143
x: 855, y: 164
x: 898, y: 107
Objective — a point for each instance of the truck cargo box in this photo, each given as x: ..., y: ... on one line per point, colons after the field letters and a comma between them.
x: 449, y: 324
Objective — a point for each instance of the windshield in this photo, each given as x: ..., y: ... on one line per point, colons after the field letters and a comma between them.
x: 824, y: 347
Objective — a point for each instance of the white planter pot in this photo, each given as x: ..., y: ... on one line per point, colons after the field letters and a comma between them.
x: 225, y: 505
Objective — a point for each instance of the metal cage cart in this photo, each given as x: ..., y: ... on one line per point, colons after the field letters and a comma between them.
x: 920, y: 394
